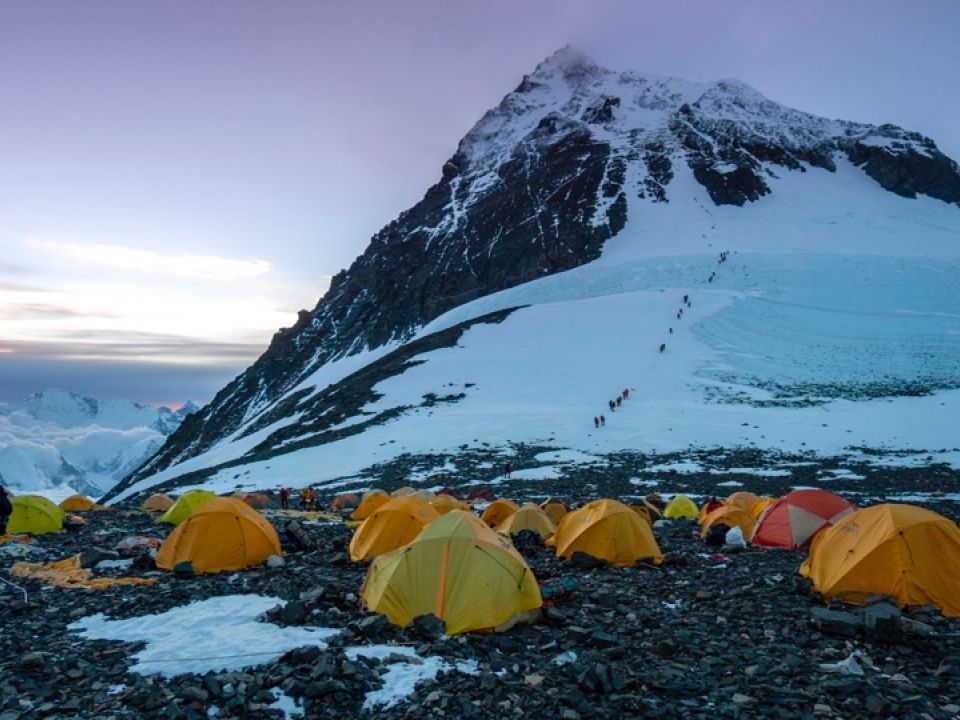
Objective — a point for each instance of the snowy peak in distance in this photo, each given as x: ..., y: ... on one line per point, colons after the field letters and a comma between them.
x: 583, y: 185
x: 57, y: 441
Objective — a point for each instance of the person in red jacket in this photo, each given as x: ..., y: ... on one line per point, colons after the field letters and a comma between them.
x: 284, y: 497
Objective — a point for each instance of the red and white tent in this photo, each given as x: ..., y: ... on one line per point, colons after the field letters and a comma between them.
x: 793, y: 520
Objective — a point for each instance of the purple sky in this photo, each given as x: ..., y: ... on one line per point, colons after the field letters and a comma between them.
x: 178, y: 178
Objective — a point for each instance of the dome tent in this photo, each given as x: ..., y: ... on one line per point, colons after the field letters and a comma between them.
x: 371, y: 500
x: 528, y: 517
x: 498, y: 511
x: 35, y: 515
x: 458, y: 570
x: 793, y: 520
x: 223, y: 534
x: 731, y: 516
x: 446, y: 503
x: 906, y: 552
x: 608, y: 530
x: 554, y: 509
x: 392, y: 525
x: 185, y: 505
x: 158, y: 502
x: 681, y: 507
x: 77, y: 503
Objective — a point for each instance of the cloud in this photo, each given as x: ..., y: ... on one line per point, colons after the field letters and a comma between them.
x: 208, y: 267
x: 136, y: 346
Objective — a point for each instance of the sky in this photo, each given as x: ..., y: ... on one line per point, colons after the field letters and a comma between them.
x: 178, y: 179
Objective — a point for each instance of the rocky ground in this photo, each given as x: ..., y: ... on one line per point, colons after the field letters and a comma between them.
x: 731, y: 634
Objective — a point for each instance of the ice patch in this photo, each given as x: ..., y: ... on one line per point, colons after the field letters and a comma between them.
x: 677, y: 467
x: 121, y: 564
x: 547, y: 472
x: 730, y: 483
x: 566, y: 456
x: 219, y: 633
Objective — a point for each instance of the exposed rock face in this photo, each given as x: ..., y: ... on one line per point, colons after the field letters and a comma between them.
x: 537, y: 187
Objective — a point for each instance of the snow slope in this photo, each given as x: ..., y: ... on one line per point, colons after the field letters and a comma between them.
x: 833, y: 326
x: 56, y: 442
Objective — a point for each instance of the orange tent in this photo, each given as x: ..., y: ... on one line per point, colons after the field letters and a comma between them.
x: 760, y: 505
x: 347, y: 500
x: 906, y: 552
x: 445, y: 503
x: 258, y: 501
x: 793, y: 520
x: 392, y: 525
x: 608, y: 530
x: 222, y: 534
x: 529, y: 517
x: 498, y: 511
x: 77, y: 503
x: 732, y: 516
x: 554, y: 509
x: 743, y: 499
x: 158, y: 502
x: 372, y: 499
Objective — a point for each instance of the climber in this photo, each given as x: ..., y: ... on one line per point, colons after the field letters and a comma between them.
x: 619, y: 400
x: 603, y: 421
x: 626, y: 393
x: 284, y: 497
x: 596, y: 421
x: 613, y: 406
x: 663, y: 346
x: 507, y: 469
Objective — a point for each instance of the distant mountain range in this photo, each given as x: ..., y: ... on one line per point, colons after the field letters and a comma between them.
x: 60, y: 440
x: 547, y: 266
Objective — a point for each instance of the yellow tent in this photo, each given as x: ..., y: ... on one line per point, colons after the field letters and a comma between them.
x: 742, y: 499
x: 528, y: 517
x: 760, y: 505
x: 554, y: 509
x: 731, y: 516
x: 392, y: 525
x: 35, y: 515
x: 608, y: 530
x: 158, y: 502
x: 370, y: 502
x: 444, y: 504
x: 403, y: 491
x: 681, y: 507
x: 77, y: 503
x: 222, y: 534
x: 907, y: 552
x: 427, y: 495
x: 185, y: 505
x: 498, y: 511
x: 460, y: 571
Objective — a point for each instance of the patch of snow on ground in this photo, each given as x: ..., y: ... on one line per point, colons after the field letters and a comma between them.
x: 122, y: 564
x: 287, y: 705
x: 547, y: 472
x: 645, y: 483
x: 683, y: 468
x: 730, y: 483
x: 760, y: 472
x: 219, y: 633
x: 566, y: 456
x: 401, y: 679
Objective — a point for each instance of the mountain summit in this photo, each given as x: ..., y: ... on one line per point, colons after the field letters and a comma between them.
x: 578, y: 167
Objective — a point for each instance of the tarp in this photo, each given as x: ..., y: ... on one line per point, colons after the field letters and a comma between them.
x: 392, y: 525
x: 158, y: 502
x: 35, y: 515
x: 457, y: 569
x: 77, y: 503
x: 185, y: 505
x: 67, y: 573
x: 222, y: 534
x: 681, y: 507
x: 608, y: 530
x: 528, y: 517
x: 906, y: 552
x: 498, y: 511
x: 792, y: 521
